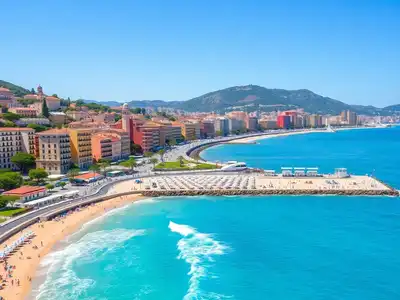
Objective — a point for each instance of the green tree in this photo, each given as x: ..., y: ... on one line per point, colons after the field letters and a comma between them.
x: 143, y: 111
x: 181, y: 161
x: 6, y: 199
x: 130, y: 163
x: 218, y: 133
x: 104, y: 164
x: 45, y: 109
x: 161, y: 153
x: 33, y: 91
x: 94, y: 168
x: 136, y: 110
x: 10, y: 180
x: 72, y: 173
x: 8, y: 124
x: 23, y: 160
x: 50, y: 186
x: 54, y: 95
x: 37, y: 127
x: 172, y: 142
x: 148, y: 154
x: 153, y: 160
x: 9, y: 116
x: 62, y: 184
x: 136, y: 149
x: 38, y: 174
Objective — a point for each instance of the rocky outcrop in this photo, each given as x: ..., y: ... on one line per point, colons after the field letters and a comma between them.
x: 269, y: 192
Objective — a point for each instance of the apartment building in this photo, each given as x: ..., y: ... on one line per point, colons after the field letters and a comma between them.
x: 106, y: 146
x: 54, y: 150
x: 189, y: 130
x: 221, y: 126
x: 23, y: 111
x: 12, y: 141
x: 169, y: 132
x: 81, y: 146
x: 146, y: 134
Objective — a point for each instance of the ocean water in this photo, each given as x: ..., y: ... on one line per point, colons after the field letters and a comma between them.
x: 275, y: 247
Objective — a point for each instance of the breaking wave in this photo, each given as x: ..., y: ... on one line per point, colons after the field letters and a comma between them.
x: 61, y: 281
x: 198, y: 250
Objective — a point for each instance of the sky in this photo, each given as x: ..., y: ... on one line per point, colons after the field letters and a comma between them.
x: 180, y: 49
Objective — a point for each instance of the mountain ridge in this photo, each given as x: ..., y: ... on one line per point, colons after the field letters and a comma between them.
x: 248, y: 98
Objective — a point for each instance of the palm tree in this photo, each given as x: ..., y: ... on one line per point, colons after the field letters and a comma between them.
x: 94, y: 168
x: 154, y: 160
x: 130, y: 163
x: 161, y: 153
x: 104, y: 164
x: 72, y: 173
x: 180, y: 158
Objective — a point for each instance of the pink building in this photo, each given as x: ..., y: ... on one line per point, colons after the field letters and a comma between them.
x: 6, y: 97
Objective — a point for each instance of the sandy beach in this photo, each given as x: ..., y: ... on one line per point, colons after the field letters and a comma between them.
x: 23, y: 263
x: 252, y: 139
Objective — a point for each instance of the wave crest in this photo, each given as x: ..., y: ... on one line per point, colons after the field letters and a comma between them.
x: 198, y: 250
x: 92, y: 246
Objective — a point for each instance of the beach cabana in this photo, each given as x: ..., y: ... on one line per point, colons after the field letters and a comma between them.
x: 287, y: 172
x: 299, y: 172
x: 341, y: 173
x: 269, y: 173
x: 312, y: 172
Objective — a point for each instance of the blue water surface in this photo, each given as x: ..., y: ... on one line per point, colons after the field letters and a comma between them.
x: 269, y: 247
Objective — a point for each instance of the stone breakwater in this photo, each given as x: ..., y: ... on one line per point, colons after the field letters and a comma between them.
x: 390, y: 192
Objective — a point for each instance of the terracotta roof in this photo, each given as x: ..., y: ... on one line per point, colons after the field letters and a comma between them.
x: 87, y: 176
x: 54, y: 131
x: 22, y: 108
x: 3, y: 89
x: 15, y: 129
x: 52, y: 98
x: 25, y: 189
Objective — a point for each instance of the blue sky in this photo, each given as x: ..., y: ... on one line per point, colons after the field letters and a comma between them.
x: 177, y: 50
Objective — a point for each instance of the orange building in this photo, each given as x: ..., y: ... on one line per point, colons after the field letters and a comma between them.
x: 106, y: 146
x: 24, y: 111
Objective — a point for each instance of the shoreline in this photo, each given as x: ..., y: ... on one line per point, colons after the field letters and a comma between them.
x: 47, y: 234
x: 252, y: 139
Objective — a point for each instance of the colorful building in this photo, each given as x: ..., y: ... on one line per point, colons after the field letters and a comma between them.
x: 54, y: 151
x: 6, y: 97
x: 81, y: 146
x: 106, y: 146
x: 24, y: 111
x: 27, y: 193
x: 283, y: 121
x: 189, y: 130
x: 12, y: 141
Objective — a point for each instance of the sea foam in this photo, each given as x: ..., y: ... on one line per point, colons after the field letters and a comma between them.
x: 198, y: 250
x: 91, y: 247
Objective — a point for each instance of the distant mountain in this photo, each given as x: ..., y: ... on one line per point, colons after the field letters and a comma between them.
x: 18, y: 91
x: 392, y: 109
x: 246, y: 98
x: 253, y: 97
x: 107, y: 103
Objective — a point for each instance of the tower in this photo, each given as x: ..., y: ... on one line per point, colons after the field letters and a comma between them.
x: 40, y: 91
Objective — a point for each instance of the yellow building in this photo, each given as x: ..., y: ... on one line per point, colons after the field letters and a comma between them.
x: 81, y: 146
x: 189, y: 130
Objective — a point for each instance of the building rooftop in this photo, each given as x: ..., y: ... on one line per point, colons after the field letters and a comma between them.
x: 54, y: 131
x: 25, y: 189
x: 57, y: 113
x: 3, y: 89
x: 87, y: 176
x: 15, y: 129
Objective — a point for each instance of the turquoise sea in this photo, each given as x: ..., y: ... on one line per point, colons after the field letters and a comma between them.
x: 282, y: 247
